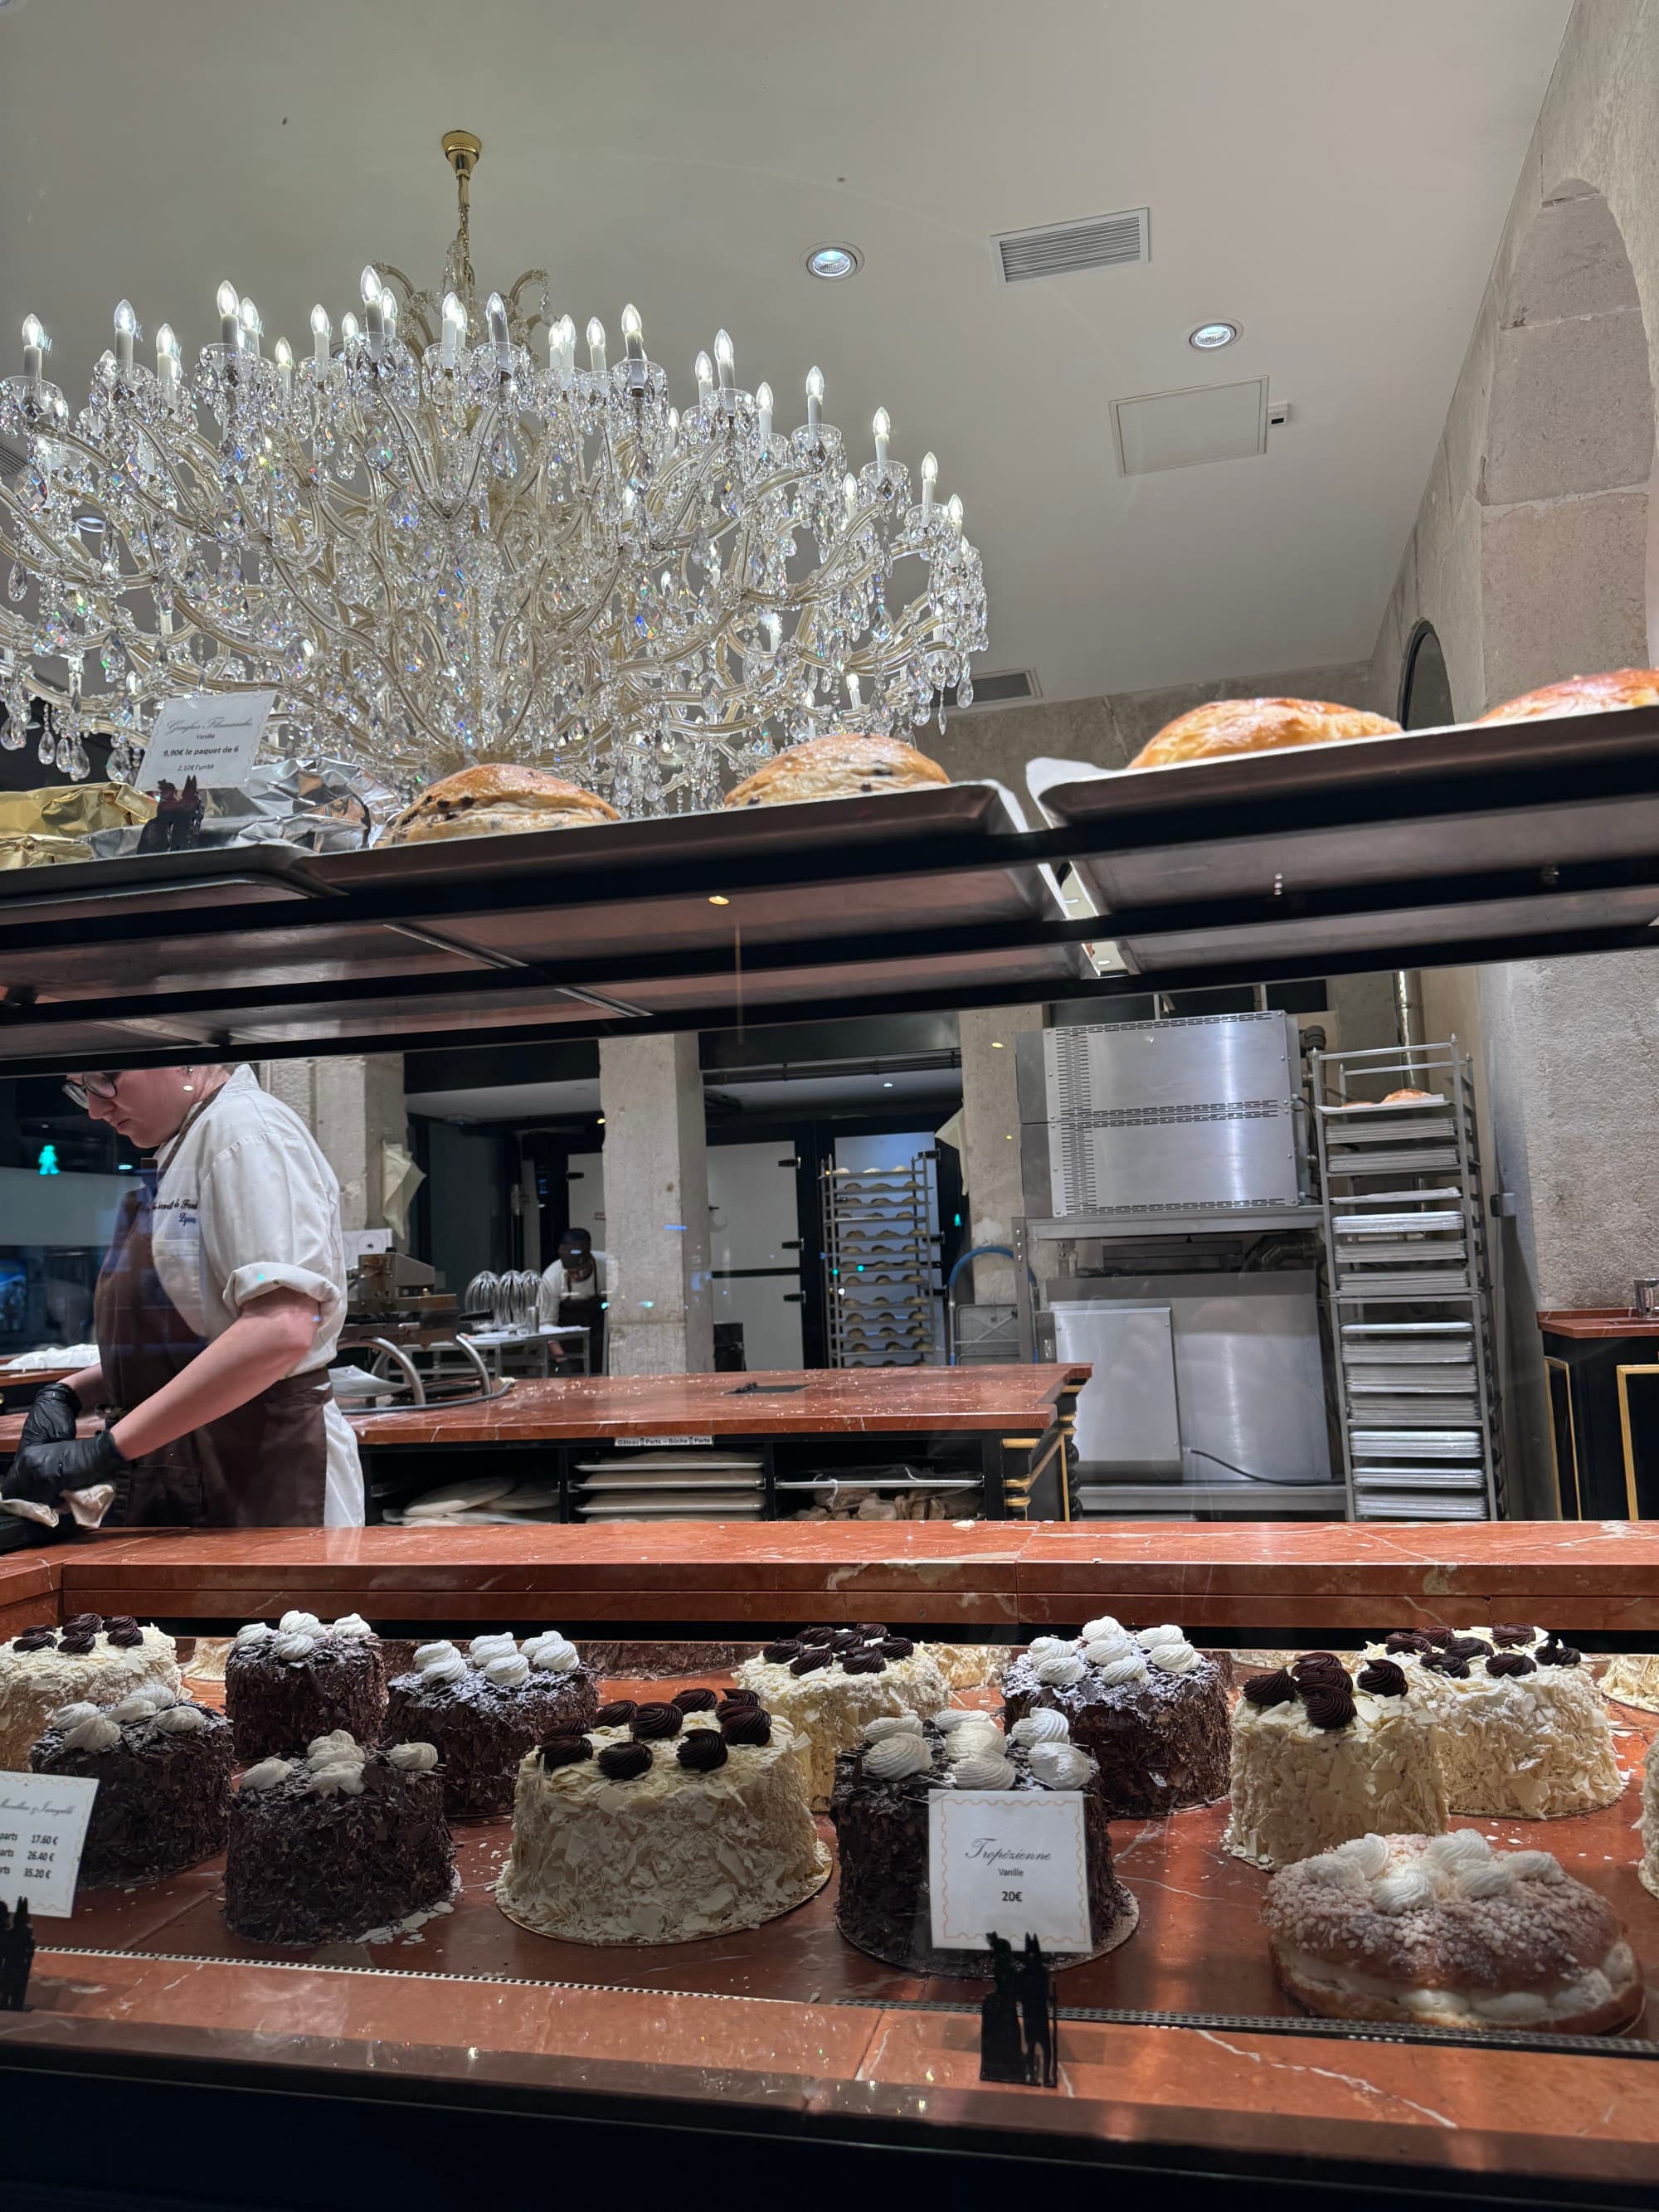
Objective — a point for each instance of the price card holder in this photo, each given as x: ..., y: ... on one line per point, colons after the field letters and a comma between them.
x: 1008, y: 1863
x: 211, y: 735
x: 43, y: 1826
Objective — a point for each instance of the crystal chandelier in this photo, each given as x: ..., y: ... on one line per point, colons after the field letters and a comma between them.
x: 440, y: 540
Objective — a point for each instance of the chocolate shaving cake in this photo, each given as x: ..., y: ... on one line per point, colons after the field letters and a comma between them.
x: 485, y: 1707
x: 162, y: 1766
x: 1524, y: 1732
x: 1150, y: 1710
x: 879, y: 1807
x: 673, y: 1824
x: 287, y: 1685
x: 344, y: 1846
x: 88, y: 1660
x: 827, y: 1682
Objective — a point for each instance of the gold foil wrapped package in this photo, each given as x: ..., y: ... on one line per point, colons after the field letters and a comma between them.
x: 38, y: 828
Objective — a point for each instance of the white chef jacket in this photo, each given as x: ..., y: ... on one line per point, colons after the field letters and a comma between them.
x: 556, y: 1286
x: 246, y: 1203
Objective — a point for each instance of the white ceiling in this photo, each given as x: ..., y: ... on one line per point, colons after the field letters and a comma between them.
x: 1334, y: 175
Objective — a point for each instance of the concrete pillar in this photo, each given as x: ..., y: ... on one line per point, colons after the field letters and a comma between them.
x: 661, y: 1319
x: 990, y: 1152
x: 352, y: 1107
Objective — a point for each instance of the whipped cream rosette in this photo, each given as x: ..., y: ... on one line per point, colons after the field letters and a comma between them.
x: 90, y: 1660
x: 288, y: 1683
x: 1148, y: 1706
x: 1524, y: 1732
x: 484, y: 1704
x: 661, y: 1823
x: 1444, y: 1931
x: 884, y: 1786
x: 827, y: 1682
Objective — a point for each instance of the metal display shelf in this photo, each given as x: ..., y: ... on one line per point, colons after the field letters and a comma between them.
x: 1456, y: 846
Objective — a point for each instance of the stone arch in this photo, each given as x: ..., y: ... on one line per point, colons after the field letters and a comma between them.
x: 1568, y: 457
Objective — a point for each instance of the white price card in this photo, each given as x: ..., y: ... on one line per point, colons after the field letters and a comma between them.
x: 43, y: 1825
x: 212, y: 735
x: 1011, y: 1863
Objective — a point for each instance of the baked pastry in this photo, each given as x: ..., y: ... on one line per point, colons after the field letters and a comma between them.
x: 884, y: 1786
x: 287, y: 1685
x: 486, y: 1708
x: 1150, y: 1710
x: 827, y: 1682
x: 1444, y: 1931
x: 88, y: 1660
x: 162, y: 1766
x: 1632, y: 1678
x: 345, y: 1845
x: 679, y: 1821
x: 1319, y: 1757
x: 1649, y: 1868
x: 1229, y: 726
x: 1582, y: 694
x: 849, y: 765
x: 496, y: 799
x: 1524, y: 1733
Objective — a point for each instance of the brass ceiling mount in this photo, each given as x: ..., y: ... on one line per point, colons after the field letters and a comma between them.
x: 461, y: 151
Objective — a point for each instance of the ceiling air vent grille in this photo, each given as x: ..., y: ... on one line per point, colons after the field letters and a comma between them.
x: 1100, y: 241
x: 1007, y: 689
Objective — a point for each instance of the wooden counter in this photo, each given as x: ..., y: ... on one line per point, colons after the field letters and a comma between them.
x: 986, y: 1577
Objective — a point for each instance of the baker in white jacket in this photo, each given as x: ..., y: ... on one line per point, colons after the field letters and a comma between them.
x: 216, y: 1316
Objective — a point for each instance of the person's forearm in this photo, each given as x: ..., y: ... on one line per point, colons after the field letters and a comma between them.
x: 88, y: 1386
x: 257, y: 1350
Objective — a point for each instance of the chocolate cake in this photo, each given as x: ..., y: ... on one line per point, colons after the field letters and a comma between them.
x: 162, y: 1766
x: 879, y: 1807
x: 343, y: 1845
x: 485, y: 1707
x: 1149, y: 1709
x: 88, y: 1660
x: 287, y: 1685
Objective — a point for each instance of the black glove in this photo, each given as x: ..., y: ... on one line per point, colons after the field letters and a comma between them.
x: 42, y: 1473
x: 52, y: 1416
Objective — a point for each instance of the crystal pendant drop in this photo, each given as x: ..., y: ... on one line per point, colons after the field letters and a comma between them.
x: 17, y: 583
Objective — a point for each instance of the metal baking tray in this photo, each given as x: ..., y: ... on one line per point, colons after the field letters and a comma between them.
x: 1353, y: 847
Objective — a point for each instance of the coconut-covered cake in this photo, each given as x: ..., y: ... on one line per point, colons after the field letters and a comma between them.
x: 286, y: 1685
x: 486, y: 1706
x: 343, y: 1844
x: 879, y: 1806
x: 88, y: 1660
x: 1633, y: 1679
x: 1149, y: 1708
x: 827, y: 1682
x: 661, y: 1823
x: 1445, y: 1932
x: 1649, y: 1868
x: 1320, y: 1756
x: 162, y: 1766
x: 1524, y: 1733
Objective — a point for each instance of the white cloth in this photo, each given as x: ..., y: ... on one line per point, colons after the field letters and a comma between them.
x: 555, y: 1286
x: 245, y: 1204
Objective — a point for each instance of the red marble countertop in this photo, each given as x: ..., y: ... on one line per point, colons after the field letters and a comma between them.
x: 982, y: 1575
x: 812, y: 1402
x: 1598, y: 1321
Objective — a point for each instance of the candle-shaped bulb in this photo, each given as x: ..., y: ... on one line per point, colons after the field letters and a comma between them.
x: 252, y: 326
x: 632, y: 331
x: 929, y: 483
x: 321, y: 333
x: 726, y: 359
x: 348, y: 328
x: 454, y: 322
x: 882, y: 430
x: 567, y: 333
x: 284, y: 354
x: 673, y: 422
x: 370, y: 285
x: 389, y: 308
x: 814, y: 397
x: 126, y: 324
x: 167, y: 352
x: 596, y: 346
x: 849, y: 492
x: 774, y: 630
x: 764, y: 409
x: 230, y: 331
x: 853, y: 690
x: 704, y: 370
x: 34, y: 347
x: 374, y: 314
x: 126, y: 320
x: 953, y: 508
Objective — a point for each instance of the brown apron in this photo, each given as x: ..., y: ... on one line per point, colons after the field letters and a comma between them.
x: 263, y: 1465
x: 588, y: 1313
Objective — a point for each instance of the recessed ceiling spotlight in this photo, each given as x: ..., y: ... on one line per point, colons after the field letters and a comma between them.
x: 1210, y: 338
x: 833, y: 262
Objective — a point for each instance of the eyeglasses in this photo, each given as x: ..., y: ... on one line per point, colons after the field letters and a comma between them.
x: 99, y: 1085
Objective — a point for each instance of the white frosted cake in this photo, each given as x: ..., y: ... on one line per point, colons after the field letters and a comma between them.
x: 89, y: 1661
x: 1524, y: 1733
x: 661, y: 1830
x: 1445, y: 1932
x: 1319, y: 1757
x: 1649, y: 1868
x: 1633, y: 1679
x: 827, y: 1682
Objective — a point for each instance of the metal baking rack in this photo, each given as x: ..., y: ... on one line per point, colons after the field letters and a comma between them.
x: 879, y: 1264
x: 1410, y: 1295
